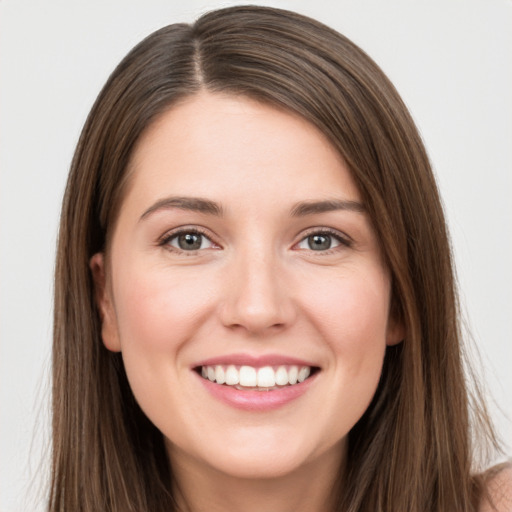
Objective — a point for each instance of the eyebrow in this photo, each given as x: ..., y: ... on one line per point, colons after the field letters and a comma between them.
x: 302, y: 209
x: 195, y: 204
x: 311, y: 207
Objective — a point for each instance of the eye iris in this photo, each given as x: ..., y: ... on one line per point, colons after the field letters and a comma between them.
x: 189, y: 241
x: 319, y: 242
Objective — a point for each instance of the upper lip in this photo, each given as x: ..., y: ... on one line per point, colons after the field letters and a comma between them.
x: 254, y: 361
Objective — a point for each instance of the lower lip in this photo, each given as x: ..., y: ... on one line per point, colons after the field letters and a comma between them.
x: 257, y: 401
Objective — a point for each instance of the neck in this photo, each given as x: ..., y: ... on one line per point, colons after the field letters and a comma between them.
x: 311, y: 488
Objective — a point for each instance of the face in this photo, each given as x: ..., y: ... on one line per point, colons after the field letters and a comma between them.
x: 245, y: 288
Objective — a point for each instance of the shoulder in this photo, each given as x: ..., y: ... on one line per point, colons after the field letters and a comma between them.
x: 498, y: 481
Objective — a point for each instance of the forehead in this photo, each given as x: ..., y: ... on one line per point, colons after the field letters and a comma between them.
x: 235, y: 148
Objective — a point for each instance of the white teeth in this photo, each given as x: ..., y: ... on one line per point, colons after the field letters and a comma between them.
x: 220, y: 374
x: 281, y: 376
x: 266, y: 377
x: 232, y: 376
x: 303, y: 373
x: 249, y: 377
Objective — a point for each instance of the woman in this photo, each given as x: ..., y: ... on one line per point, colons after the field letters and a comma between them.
x: 255, y: 303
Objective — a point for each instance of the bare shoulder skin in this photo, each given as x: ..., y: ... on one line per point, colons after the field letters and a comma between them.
x: 500, y: 489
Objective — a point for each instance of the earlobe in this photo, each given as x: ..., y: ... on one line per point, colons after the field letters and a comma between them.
x: 102, y: 295
x: 395, y: 332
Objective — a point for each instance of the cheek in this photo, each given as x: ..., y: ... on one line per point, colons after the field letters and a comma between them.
x: 158, y: 311
x: 158, y: 314
x: 351, y: 310
x: 352, y: 316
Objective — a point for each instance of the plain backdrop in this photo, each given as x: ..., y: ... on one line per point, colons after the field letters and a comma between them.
x: 450, y: 59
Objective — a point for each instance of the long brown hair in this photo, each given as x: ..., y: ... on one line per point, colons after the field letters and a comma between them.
x: 412, y: 449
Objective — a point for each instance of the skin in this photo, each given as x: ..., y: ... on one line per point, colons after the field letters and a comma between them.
x: 500, y: 490
x: 255, y: 287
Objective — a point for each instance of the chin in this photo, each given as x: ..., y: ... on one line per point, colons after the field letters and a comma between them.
x: 259, y: 468
x: 266, y: 456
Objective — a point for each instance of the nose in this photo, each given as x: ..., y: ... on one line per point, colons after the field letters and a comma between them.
x: 256, y: 296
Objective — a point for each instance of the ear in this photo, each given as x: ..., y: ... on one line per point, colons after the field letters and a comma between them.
x: 102, y: 295
x: 395, y: 331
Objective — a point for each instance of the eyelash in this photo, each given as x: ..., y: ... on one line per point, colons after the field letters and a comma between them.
x: 168, y: 237
x: 343, y: 240
x: 165, y: 240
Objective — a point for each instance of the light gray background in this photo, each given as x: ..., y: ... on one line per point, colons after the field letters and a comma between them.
x: 450, y: 59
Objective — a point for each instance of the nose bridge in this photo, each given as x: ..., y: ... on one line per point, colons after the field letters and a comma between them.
x: 257, y: 296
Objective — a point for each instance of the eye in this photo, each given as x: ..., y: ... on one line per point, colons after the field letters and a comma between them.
x: 322, y: 241
x: 188, y: 241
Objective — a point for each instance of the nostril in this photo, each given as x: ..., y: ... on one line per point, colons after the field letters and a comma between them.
x: 258, y: 301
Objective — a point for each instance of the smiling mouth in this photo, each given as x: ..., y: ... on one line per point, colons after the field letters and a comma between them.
x: 250, y: 378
